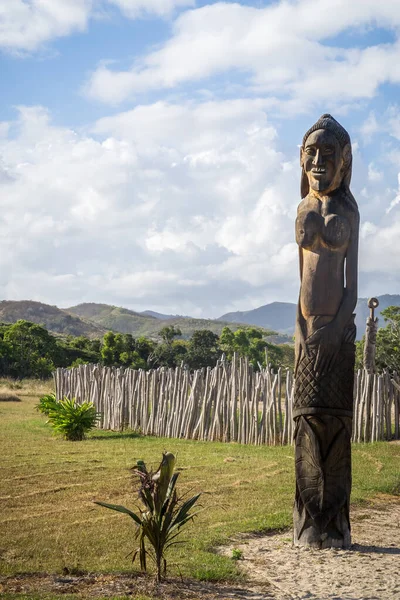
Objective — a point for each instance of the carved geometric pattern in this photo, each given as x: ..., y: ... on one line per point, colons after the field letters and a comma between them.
x: 332, y: 390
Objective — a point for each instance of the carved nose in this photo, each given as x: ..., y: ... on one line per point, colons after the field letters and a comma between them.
x: 317, y: 158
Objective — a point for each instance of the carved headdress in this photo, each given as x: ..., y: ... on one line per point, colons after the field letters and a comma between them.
x: 327, y: 122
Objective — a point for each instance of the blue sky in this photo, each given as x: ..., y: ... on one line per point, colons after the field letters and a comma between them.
x: 149, y: 148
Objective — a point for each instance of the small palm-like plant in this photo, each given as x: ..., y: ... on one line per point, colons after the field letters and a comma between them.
x: 73, y: 420
x: 47, y: 404
x: 162, y: 514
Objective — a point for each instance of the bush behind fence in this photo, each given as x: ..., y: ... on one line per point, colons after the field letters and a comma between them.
x: 230, y: 402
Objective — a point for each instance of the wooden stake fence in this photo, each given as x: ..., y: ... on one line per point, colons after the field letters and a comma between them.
x: 376, y: 407
x: 230, y: 402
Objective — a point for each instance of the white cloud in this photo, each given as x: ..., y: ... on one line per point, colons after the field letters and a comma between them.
x: 191, y: 127
x: 367, y: 229
x: 380, y: 252
x: 166, y: 206
x: 275, y: 46
x: 374, y: 175
x: 137, y: 8
x: 27, y: 24
x: 185, y: 209
x: 392, y: 121
x: 387, y: 123
x: 189, y: 207
x: 369, y: 127
x: 379, y: 244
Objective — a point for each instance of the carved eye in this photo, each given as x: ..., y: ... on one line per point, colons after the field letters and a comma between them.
x: 310, y: 151
x: 328, y: 150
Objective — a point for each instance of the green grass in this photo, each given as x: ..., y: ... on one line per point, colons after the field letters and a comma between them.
x: 49, y: 521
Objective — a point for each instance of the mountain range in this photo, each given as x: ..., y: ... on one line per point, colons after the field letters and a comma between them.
x: 125, y: 320
x: 93, y: 319
x: 56, y: 320
x: 281, y: 316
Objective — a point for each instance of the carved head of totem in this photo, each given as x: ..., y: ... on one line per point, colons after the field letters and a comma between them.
x: 325, y: 157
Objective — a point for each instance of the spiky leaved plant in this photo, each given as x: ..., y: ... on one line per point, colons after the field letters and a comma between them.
x: 47, y: 404
x: 73, y: 420
x: 162, y: 514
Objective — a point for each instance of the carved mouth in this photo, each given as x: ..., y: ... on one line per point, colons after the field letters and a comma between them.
x: 318, y: 173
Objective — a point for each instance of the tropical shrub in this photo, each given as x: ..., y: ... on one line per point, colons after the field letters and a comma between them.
x: 72, y: 420
x: 47, y: 403
x: 162, y: 514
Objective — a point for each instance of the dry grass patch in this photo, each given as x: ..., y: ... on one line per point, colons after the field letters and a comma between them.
x: 26, y: 387
x: 9, y: 397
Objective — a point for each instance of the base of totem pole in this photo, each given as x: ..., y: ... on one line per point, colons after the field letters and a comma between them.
x: 323, y: 481
x: 335, y: 535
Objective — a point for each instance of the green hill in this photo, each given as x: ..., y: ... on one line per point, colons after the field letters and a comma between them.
x: 93, y: 319
x: 96, y: 311
x: 116, y: 318
x: 54, y: 319
x: 281, y: 316
x: 124, y: 320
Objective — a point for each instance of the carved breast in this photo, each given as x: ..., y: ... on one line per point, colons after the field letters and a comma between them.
x: 312, y: 230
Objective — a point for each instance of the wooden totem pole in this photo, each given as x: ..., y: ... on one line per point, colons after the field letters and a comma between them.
x: 327, y: 227
x: 370, y: 337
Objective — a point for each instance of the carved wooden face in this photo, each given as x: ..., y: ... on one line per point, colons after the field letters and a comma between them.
x: 322, y: 161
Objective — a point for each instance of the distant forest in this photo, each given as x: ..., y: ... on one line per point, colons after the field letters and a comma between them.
x: 30, y: 350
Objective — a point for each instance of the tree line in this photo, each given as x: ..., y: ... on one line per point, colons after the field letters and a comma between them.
x: 30, y: 350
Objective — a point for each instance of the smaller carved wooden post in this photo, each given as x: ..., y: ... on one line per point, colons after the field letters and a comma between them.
x: 370, y: 336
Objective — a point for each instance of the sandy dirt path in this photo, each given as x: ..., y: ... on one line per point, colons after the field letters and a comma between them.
x: 369, y: 570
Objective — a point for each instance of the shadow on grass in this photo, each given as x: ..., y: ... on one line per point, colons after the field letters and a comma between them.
x: 118, y: 586
x: 115, y: 435
x: 5, y: 397
x: 268, y: 532
x: 396, y: 490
